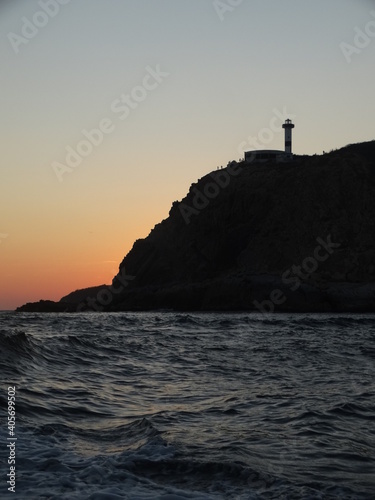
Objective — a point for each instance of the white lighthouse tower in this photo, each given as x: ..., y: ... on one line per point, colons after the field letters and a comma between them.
x: 288, y: 127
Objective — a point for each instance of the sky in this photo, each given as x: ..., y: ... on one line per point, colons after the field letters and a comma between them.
x: 110, y: 109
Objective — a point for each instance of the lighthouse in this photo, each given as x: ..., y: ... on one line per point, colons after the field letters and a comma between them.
x: 271, y: 155
x: 288, y: 127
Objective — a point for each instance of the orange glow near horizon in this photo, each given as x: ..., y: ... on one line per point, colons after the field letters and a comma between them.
x: 51, y: 277
x: 35, y: 268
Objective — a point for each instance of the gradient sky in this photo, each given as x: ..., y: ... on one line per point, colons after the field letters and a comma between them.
x: 226, y: 76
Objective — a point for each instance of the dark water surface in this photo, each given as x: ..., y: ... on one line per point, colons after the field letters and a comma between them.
x: 189, y: 406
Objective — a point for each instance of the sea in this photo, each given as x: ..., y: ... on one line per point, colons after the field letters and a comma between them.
x: 177, y: 406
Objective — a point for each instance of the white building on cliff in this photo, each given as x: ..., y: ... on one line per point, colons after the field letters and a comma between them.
x: 264, y: 155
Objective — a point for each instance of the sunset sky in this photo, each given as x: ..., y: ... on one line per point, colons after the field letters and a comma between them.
x: 203, y: 77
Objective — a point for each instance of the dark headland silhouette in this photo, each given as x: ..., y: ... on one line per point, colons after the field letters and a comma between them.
x: 293, y: 236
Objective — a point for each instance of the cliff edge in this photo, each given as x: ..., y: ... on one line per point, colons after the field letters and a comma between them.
x: 295, y: 236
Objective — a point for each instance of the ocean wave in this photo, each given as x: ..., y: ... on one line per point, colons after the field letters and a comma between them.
x: 200, y: 406
x: 153, y: 470
x: 14, y: 341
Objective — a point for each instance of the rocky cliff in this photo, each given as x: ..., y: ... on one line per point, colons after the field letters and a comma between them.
x: 295, y: 236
